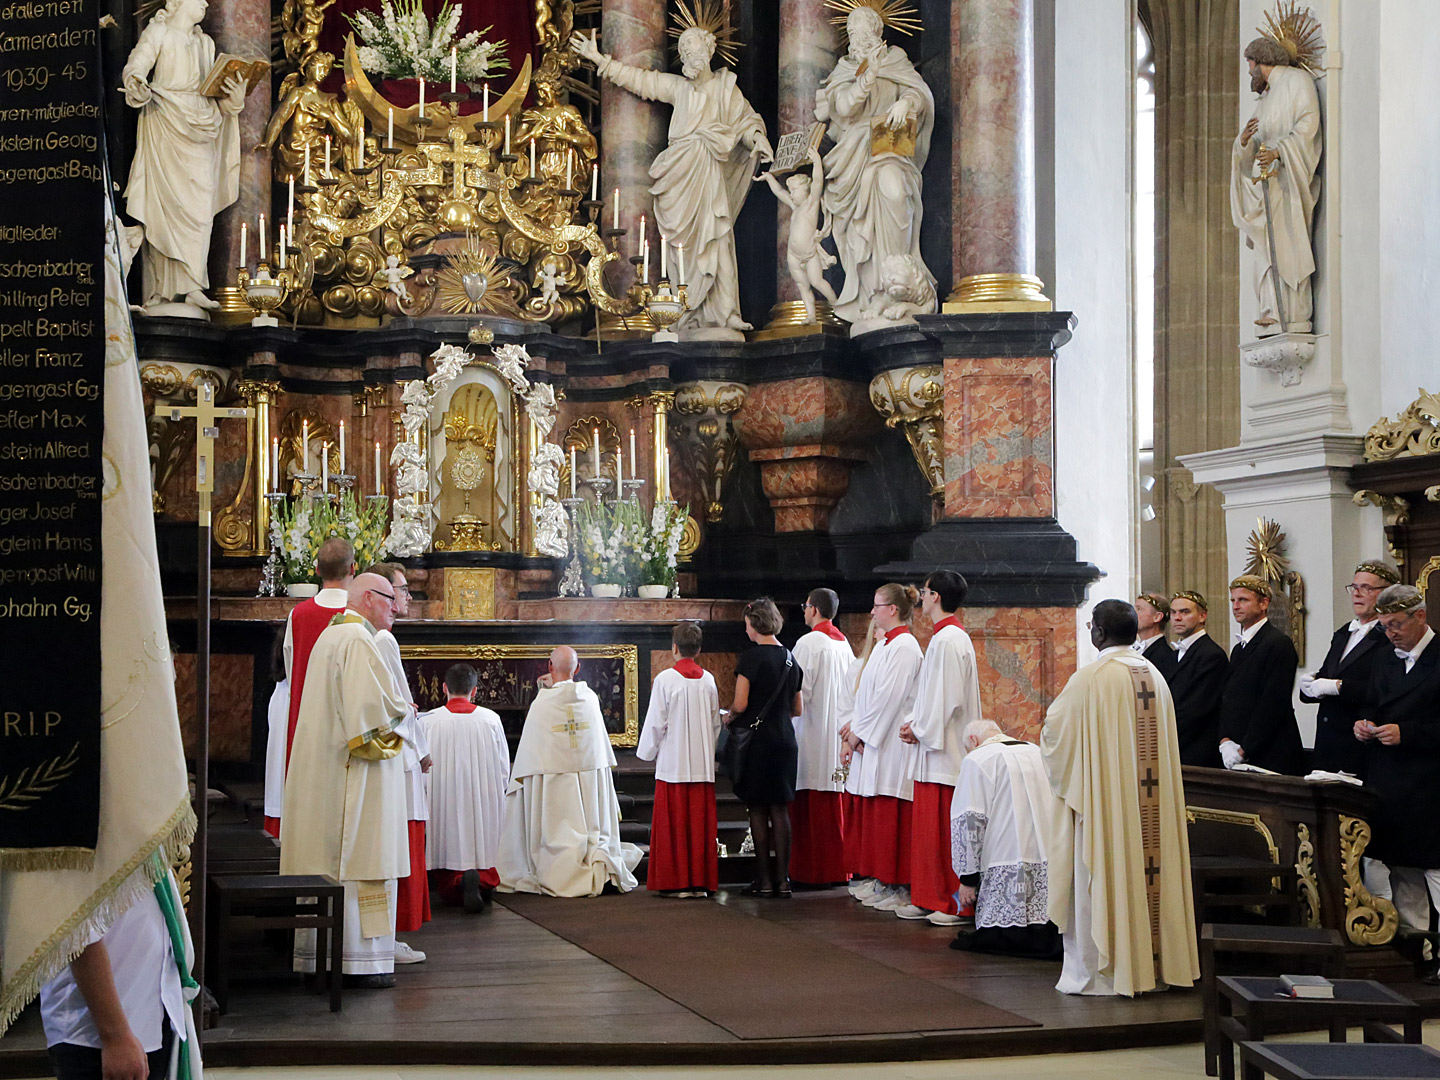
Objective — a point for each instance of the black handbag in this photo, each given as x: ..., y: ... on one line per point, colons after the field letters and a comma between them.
x: 733, y: 747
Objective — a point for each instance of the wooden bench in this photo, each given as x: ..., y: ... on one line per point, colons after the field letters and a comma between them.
x: 1339, y: 1061
x: 273, y: 902
x: 1258, y: 878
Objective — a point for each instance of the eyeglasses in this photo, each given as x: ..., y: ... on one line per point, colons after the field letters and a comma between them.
x: 874, y: 606
x: 1352, y: 589
x: 387, y: 596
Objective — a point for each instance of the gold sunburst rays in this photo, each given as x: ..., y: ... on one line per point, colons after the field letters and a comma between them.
x: 1266, y: 550
x: 712, y: 16
x: 898, y: 15
x: 473, y: 281
x: 1297, y: 31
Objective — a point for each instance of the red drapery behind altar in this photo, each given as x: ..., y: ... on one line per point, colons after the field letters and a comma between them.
x: 512, y: 20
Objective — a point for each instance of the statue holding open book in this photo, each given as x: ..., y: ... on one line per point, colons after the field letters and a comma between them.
x: 187, y: 153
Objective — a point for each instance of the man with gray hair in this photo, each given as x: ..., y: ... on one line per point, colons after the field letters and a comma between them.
x: 1004, y: 819
x: 1401, y: 733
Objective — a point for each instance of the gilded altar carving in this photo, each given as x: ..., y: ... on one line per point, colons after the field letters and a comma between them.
x: 1267, y: 559
x: 706, y: 438
x: 1369, y: 919
x: 911, y: 399
x: 1395, y: 511
x: 1308, y: 884
x: 470, y: 593
x: 1414, y: 433
x: 1237, y: 818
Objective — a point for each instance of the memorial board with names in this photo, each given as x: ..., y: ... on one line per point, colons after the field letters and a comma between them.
x: 52, y: 369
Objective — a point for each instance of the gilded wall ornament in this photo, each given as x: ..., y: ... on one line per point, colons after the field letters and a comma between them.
x: 1369, y: 919
x: 1414, y: 433
x: 1266, y: 547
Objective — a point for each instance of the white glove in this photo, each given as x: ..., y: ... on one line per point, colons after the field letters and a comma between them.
x: 1311, y: 686
x: 1231, y: 753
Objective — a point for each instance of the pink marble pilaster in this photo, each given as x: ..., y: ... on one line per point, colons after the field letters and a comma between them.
x: 809, y: 45
x: 242, y: 27
x: 632, y: 131
x: 998, y: 438
x: 992, y: 51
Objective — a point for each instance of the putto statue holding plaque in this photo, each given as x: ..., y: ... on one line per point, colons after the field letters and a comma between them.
x: 702, y: 178
x: 881, y: 115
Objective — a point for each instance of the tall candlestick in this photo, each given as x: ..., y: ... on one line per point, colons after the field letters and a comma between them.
x: 275, y: 464
x: 634, y: 461
x: 663, y: 246
x: 595, y: 451
x: 379, y: 476
x: 360, y: 147
x: 679, y: 264
x: 306, y: 173
x: 328, y: 173
x: 668, y: 493
x: 290, y: 208
x: 640, y: 237
x: 619, y: 471
x: 452, y: 71
x: 595, y: 183
x: 569, y: 170
x: 282, y: 247
x: 572, y: 472
x: 507, y: 134
x: 390, y: 129
x: 485, y: 97
x: 244, y: 236
x: 305, y: 445
x: 533, y: 173
x: 342, y: 447
x: 324, y: 466
x: 645, y: 262
x: 263, y: 238
x: 422, y: 99
x: 615, y: 212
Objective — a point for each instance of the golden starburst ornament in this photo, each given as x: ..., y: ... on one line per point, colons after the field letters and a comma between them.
x: 475, y: 281
x: 712, y: 17
x: 898, y: 15
x: 1296, y: 30
x: 1266, y: 548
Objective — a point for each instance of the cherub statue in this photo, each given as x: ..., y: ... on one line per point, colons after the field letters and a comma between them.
x: 804, y: 257
x: 393, y: 277
x: 512, y: 360
x: 906, y: 292
x: 549, y: 283
x: 540, y: 407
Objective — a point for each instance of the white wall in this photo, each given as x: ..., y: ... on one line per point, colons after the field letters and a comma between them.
x: 1095, y: 478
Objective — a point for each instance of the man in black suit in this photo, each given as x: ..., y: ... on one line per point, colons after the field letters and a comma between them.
x: 1153, y: 611
x: 1196, y: 679
x: 1257, y: 716
x: 1342, y: 685
x: 1402, y: 757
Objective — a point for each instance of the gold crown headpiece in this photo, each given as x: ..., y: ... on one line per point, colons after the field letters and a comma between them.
x: 1398, y: 598
x: 1384, y: 571
x: 1157, y: 601
x: 1194, y: 597
x: 896, y: 14
x: 1254, y: 582
x: 710, y: 16
x: 1296, y: 30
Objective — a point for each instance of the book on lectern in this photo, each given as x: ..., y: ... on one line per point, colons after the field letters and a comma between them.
x: 1306, y: 986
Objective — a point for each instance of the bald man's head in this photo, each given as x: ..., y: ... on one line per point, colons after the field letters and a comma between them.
x: 373, y: 597
x: 563, y: 663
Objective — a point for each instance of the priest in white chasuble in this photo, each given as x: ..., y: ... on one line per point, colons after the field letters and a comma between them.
x: 467, y: 793
x: 1120, y: 884
x: 562, y: 819
x: 345, y: 788
x: 817, y: 820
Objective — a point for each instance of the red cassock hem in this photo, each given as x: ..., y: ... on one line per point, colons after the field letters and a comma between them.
x: 932, y: 876
x: 450, y: 884
x: 412, y: 894
x: 272, y: 826
x: 883, y: 851
x: 817, y: 831
x: 854, y: 830
x: 682, y: 838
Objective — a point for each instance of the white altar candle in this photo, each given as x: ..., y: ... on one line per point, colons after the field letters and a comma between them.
x: 663, y: 246
x: 645, y: 262
x: 422, y: 99
x: 324, y: 466
x: 452, y: 71
x: 282, y: 247
x: 569, y: 170
x: 379, y: 476
x: 668, y: 495
x: 615, y: 212
x: 507, y: 134
x: 619, y: 471
x: 290, y: 208
x: 263, y: 238
x: 640, y: 237
x: 595, y: 451
x: 342, y: 447
x: 572, y: 472
x: 328, y: 173
x: 485, y: 95
x: 634, y: 461
x: 305, y: 445
x: 680, y: 264
x: 306, y: 174
x: 390, y: 129
x: 532, y: 160
x: 244, y: 236
x: 275, y: 464
x: 360, y: 147
x: 595, y: 182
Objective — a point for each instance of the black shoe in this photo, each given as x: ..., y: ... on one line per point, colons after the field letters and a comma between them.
x: 470, y: 886
x: 1430, y: 973
x: 369, y: 982
x: 756, y: 889
x: 781, y: 892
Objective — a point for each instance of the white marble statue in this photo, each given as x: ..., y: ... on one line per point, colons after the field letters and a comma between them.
x: 392, y: 277
x: 187, y: 157
x: 540, y: 407
x: 552, y: 531
x: 906, y: 291
x: 804, y: 257
x: 549, y: 283
x: 701, y: 179
x: 1284, y: 135
x: 878, y: 108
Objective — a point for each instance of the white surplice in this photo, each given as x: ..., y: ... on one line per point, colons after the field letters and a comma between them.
x: 562, y: 820
x: 468, y: 776
x: 1098, y: 880
x: 825, y: 697
x: 344, y: 809
x: 277, y: 716
x: 416, y: 801
x: 883, y: 702
x: 1003, y: 821
x: 947, y: 697
x: 682, y: 725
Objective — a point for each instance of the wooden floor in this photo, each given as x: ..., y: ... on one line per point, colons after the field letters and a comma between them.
x: 498, y: 989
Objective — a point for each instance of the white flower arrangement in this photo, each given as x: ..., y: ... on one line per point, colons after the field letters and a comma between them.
x: 403, y: 44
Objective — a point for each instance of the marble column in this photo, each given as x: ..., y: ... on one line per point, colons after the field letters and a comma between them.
x: 809, y: 46
x: 242, y: 27
x: 632, y: 130
x: 992, y: 50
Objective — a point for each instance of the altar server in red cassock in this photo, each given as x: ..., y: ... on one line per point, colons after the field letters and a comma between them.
x: 946, y: 700
x: 335, y: 563
x: 817, y: 816
x: 883, y: 767
x: 681, y: 728
x: 277, y: 717
x: 467, y: 793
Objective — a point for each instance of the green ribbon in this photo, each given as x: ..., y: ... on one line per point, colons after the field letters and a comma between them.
x: 166, y: 899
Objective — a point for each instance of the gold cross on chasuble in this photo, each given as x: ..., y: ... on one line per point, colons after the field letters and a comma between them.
x: 207, y: 429
x: 572, y: 727
x: 1147, y: 768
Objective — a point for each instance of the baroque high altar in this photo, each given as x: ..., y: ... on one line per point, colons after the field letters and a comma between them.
x: 618, y: 269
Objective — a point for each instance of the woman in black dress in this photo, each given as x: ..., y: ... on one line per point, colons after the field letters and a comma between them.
x: 767, y: 697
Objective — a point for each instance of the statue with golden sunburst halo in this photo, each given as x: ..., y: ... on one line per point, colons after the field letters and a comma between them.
x: 1267, y: 560
x: 1275, y: 169
x: 881, y: 115
x: 700, y: 186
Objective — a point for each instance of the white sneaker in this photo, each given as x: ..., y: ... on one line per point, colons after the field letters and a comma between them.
x: 940, y: 918
x: 899, y: 898
x: 404, y: 954
x: 863, y: 887
x: 912, y: 911
x: 879, y: 896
